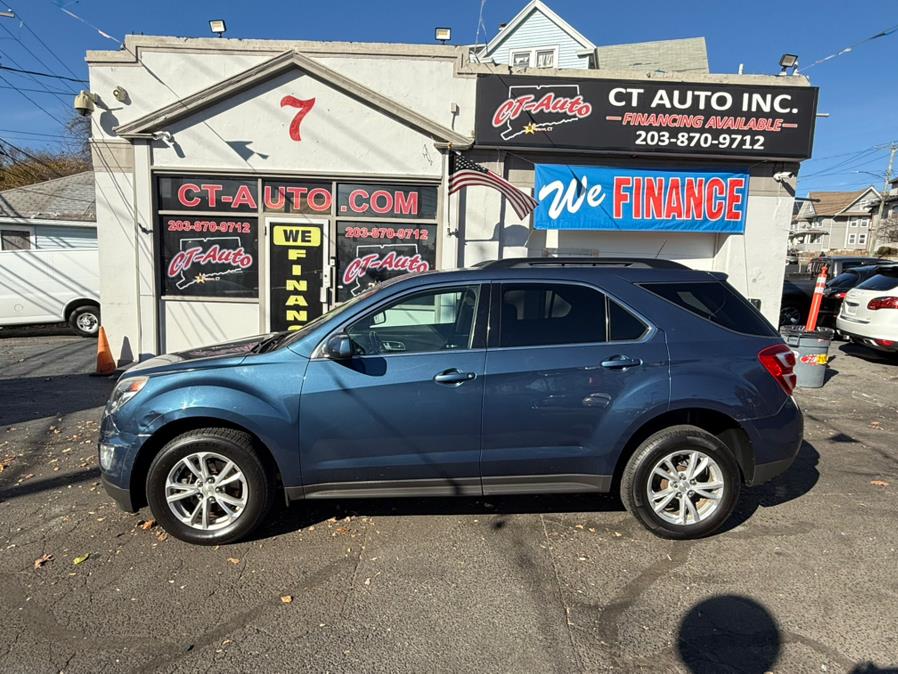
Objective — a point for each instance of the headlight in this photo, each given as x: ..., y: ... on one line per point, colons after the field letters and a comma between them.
x: 124, y: 391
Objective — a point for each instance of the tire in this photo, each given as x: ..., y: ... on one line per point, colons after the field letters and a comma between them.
x: 85, y: 320
x: 790, y: 315
x: 217, y: 446
x: 639, y: 477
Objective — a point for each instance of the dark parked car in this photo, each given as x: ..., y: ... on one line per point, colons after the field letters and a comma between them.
x: 517, y: 377
x: 798, y: 292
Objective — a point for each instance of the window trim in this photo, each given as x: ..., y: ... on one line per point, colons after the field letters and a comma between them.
x: 531, y: 60
x: 478, y: 340
x: 496, y: 307
x: 32, y: 239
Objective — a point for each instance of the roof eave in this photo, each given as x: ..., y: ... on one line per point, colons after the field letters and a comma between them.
x: 143, y: 127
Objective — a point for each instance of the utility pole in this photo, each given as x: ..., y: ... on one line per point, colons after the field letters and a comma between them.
x: 874, y: 225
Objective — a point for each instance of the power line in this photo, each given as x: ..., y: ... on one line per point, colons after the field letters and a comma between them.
x: 44, y: 44
x: 32, y: 101
x: 32, y: 157
x: 851, y: 48
x: 39, y: 74
x: 32, y: 133
x: 43, y: 91
x: 24, y: 46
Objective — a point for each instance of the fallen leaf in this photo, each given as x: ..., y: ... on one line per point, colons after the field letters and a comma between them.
x: 341, y: 530
x: 149, y: 524
x: 43, y: 559
x: 80, y: 559
x: 233, y: 560
x: 879, y: 483
x: 287, y: 599
x: 161, y: 536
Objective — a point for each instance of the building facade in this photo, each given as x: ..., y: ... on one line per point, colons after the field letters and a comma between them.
x: 835, y: 221
x: 249, y: 185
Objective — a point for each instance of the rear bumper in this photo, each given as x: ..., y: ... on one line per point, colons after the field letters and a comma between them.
x: 776, y: 441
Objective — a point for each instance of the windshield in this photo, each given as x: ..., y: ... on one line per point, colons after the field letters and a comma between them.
x: 291, y: 337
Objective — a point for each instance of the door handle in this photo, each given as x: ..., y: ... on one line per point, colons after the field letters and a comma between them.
x: 453, y: 376
x: 621, y: 362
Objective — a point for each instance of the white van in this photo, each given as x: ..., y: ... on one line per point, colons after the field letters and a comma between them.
x: 51, y: 286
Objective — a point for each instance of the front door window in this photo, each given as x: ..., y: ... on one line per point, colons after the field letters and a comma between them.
x: 433, y: 320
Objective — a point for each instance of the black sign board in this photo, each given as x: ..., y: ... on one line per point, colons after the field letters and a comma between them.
x: 646, y: 117
x: 296, y: 260
x: 282, y: 196
x: 204, y: 193
x: 206, y: 256
x: 369, y: 253
x: 387, y: 201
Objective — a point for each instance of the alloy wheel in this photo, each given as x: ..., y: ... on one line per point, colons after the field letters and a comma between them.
x: 206, y: 491
x: 685, y: 487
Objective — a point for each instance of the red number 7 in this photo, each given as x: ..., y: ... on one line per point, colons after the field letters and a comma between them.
x: 304, y: 108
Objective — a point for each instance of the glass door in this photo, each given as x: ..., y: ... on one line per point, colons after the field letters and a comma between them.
x: 298, y: 280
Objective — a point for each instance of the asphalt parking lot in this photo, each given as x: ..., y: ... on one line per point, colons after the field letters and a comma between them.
x: 802, y: 580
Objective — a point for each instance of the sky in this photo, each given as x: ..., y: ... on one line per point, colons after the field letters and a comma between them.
x: 857, y: 89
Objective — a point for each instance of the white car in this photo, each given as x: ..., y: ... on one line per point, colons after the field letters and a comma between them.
x: 869, y: 313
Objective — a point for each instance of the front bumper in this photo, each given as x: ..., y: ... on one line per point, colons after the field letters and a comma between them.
x: 120, y: 495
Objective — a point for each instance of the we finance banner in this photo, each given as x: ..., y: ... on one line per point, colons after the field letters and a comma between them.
x: 634, y: 199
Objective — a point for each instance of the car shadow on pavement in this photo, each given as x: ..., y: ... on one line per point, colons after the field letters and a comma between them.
x: 29, y: 398
x: 868, y: 354
x: 734, y: 633
x: 302, y: 514
x: 797, y: 481
x: 50, y: 330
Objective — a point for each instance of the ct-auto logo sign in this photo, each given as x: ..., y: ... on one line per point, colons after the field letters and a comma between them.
x: 646, y: 117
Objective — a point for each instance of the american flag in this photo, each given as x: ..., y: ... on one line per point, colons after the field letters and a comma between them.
x: 464, y: 173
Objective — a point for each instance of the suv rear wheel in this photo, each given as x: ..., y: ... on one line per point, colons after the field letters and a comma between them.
x: 681, y: 483
x: 208, y: 486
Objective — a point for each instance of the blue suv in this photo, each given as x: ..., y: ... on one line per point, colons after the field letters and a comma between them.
x: 523, y: 376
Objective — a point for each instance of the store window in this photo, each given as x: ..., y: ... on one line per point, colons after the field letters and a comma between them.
x: 383, y: 231
x: 208, y: 236
x: 15, y: 239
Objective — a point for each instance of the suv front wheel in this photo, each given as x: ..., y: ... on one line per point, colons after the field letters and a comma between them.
x: 208, y: 486
x: 681, y: 483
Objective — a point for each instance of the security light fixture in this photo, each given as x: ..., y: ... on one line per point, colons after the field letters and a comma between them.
x: 8, y: 14
x: 788, y: 61
x: 218, y: 26
x: 442, y: 34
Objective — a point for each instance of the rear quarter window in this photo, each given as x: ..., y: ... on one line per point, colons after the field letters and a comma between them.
x: 715, y: 302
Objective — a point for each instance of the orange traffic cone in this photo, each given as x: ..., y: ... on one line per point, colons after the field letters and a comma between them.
x: 105, y: 361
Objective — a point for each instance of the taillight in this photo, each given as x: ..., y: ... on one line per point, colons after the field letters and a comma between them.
x: 885, y: 342
x: 882, y: 303
x: 779, y: 361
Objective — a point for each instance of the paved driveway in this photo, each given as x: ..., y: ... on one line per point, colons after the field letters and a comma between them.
x: 803, y: 580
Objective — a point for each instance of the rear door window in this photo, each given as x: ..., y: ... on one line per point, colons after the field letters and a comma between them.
x: 716, y: 302
x: 539, y: 314
x: 845, y: 280
x: 622, y: 325
x: 884, y: 280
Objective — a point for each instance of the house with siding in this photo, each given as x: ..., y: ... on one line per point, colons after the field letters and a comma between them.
x: 830, y: 221
x: 55, y: 214
x: 538, y: 38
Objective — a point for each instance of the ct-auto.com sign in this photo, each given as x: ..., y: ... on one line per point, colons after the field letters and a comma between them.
x: 646, y: 117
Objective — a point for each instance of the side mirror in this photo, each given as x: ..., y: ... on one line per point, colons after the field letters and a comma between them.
x: 338, y: 347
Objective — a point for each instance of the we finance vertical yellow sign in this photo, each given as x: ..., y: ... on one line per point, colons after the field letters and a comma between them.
x: 295, y: 275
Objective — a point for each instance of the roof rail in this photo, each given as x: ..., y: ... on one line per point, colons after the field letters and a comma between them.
x: 633, y: 262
